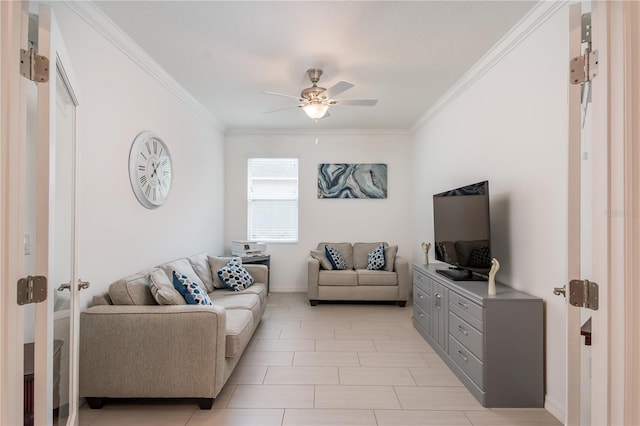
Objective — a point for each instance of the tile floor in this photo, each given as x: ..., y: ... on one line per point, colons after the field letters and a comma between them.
x: 332, y: 364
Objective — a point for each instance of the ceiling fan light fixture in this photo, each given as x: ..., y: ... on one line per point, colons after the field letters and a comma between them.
x: 315, y: 111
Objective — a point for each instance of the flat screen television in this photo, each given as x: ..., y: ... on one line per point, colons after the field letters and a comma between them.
x: 462, y: 232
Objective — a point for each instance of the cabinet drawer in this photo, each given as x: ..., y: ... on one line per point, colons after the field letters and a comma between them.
x: 467, y: 310
x: 422, y: 299
x: 472, y: 366
x: 468, y: 336
x: 422, y: 318
x: 421, y: 281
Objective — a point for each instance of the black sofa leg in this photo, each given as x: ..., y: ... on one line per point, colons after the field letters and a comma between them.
x: 95, y: 403
x: 402, y: 303
x: 205, y: 403
x: 313, y: 302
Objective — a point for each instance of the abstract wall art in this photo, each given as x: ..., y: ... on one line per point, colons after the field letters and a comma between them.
x: 349, y: 180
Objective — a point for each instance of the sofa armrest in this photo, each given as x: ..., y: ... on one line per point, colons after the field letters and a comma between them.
x: 260, y: 273
x: 401, y: 267
x: 152, y: 351
x: 313, y: 274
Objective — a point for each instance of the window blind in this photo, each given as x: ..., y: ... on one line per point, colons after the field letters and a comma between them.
x: 272, y: 199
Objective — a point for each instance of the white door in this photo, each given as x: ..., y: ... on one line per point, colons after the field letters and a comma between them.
x: 598, y: 388
x: 56, y: 321
x: 39, y: 222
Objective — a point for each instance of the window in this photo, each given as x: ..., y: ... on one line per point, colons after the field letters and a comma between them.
x: 272, y: 198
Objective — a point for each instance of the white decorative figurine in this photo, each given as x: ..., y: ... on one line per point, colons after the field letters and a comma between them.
x: 425, y: 248
x: 495, y: 266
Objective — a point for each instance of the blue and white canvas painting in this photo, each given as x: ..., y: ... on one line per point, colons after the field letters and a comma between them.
x: 348, y: 180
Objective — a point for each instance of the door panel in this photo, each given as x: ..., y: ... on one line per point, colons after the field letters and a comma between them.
x: 587, y: 398
x: 56, y: 319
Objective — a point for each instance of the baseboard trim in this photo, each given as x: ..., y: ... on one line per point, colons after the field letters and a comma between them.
x: 554, y: 407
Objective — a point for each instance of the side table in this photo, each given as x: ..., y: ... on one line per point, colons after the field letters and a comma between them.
x: 261, y: 260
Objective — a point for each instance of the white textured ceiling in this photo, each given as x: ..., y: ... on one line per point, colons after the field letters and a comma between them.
x: 405, y: 54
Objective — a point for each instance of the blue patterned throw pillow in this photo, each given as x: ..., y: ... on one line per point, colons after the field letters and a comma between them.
x: 190, y: 290
x: 335, y: 257
x: 235, y: 276
x: 376, y: 258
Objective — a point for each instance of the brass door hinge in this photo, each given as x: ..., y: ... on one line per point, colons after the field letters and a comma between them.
x: 583, y: 294
x: 32, y: 290
x: 33, y: 66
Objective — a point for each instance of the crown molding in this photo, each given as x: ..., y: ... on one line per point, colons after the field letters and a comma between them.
x: 91, y: 14
x: 538, y: 15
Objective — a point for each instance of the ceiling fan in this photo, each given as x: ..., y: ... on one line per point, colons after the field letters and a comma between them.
x: 316, y: 100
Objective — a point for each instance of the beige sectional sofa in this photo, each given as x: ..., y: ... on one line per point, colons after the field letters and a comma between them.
x: 391, y: 283
x: 133, y: 347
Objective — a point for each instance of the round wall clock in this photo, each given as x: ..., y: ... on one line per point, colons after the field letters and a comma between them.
x: 150, y: 170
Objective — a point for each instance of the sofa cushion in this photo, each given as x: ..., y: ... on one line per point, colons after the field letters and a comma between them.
x: 249, y: 302
x: 235, y: 276
x: 347, y: 277
x: 321, y: 257
x: 361, y: 253
x: 189, y: 289
x: 258, y: 289
x: 163, y: 290
x: 390, y: 257
x: 216, y: 263
x: 200, y: 264
x: 132, y: 290
x: 103, y: 299
x: 368, y: 277
x: 346, y: 249
x: 376, y: 258
x: 239, y: 331
x: 335, y: 257
x: 181, y: 265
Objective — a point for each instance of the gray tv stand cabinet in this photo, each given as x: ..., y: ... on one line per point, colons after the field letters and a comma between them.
x: 494, y: 344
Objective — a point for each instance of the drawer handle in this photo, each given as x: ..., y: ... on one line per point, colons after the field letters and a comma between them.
x: 464, y: 305
x: 420, y: 296
x: 421, y: 316
x: 463, y: 357
x: 462, y: 330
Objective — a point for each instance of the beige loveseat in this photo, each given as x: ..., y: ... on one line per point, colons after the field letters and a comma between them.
x: 133, y: 347
x: 391, y: 283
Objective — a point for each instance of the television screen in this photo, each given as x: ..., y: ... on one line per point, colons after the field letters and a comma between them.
x: 462, y: 232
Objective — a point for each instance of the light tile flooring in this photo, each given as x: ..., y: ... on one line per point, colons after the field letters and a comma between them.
x: 332, y: 364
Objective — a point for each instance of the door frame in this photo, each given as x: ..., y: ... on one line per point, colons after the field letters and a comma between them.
x: 622, y: 41
x: 14, y: 18
x: 631, y: 26
x: 615, y: 365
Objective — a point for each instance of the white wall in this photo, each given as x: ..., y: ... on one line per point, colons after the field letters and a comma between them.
x: 336, y: 220
x: 118, y: 100
x: 510, y: 127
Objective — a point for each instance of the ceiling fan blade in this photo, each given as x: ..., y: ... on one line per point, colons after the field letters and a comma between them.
x: 282, y: 94
x: 282, y: 109
x: 339, y: 87
x: 355, y: 102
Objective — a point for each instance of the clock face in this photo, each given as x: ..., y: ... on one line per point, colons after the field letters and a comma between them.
x: 150, y: 170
